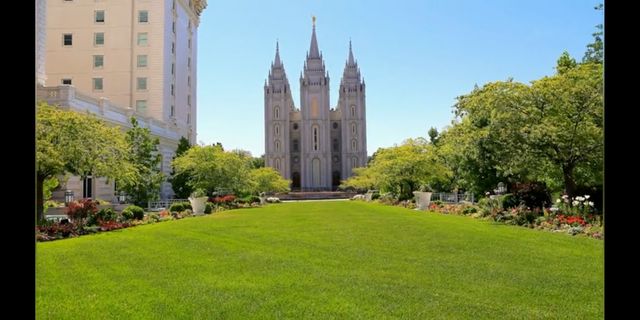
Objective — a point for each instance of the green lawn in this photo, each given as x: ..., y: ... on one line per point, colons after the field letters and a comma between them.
x: 321, y: 260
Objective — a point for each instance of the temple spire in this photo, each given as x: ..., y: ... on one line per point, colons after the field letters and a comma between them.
x: 351, y: 61
x: 277, y: 62
x: 314, y: 52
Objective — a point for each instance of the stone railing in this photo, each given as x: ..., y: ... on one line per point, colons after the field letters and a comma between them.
x: 67, y: 97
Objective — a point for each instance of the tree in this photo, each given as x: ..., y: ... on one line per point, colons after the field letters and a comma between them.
x: 548, y: 130
x: 178, y: 182
x: 267, y: 180
x: 257, y: 162
x: 146, y: 159
x: 595, y: 50
x: 80, y: 144
x: 433, y: 135
x: 213, y: 169
x: 400, y: 169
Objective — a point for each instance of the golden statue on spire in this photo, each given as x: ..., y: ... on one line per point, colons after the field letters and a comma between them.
x: 313, y: 19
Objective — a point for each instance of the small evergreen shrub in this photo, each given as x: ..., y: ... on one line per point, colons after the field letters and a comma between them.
x: 135, y: 212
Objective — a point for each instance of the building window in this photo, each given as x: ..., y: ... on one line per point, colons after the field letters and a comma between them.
x: 188, y: 118
x: 67, y: 39
x: 276, y: 113
x: 173, y: 5
x: 189, y: 43
x: 97, y: 84
x: 142, y: 38
x: 143, y: 16
x: 353, y: 111
x: 316, y: 141
x: 278, y: 164
x: 173, y: 47
x: 173, y: 68
x: 173, y: 110
x: 173, y: 27
x: 335, y: 125
x: 172, y: 86
x: 98, y: 38
x: 277, y: 130
x: 189, y: 62
x: 142, y: 84
x: 87, y: 187
x: 142, y: 61
x: 141, y: 106
x: 98, y: 61
x: 66, y: 81
x: 277, y: 146
x: 353, y: 129
x: 295, y: 126
x: 189, y: 99
x: 354, y: 162
x: 189, y: 81
x: 335, y: 145
x: 353, y: 146
x: 295, y: 145
x: 99, y: 16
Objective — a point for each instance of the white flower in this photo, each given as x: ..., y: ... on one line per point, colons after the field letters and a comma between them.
x: 580, y: 198
x: 553, y: 209
x: 590, y: 203
x: 558, y: 201
x: 575, y: 203
x: 565, y: 196
x: 587, y: 196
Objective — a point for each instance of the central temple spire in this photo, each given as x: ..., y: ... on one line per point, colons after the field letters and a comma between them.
x: 313, y: 50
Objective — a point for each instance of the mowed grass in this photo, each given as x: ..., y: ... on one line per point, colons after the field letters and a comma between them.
x: 321, y: 260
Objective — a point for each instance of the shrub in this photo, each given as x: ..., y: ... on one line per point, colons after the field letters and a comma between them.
x: 186, y: 205
x: 106, y: 214
x: 153, y: 217
x: 532, y: 194
x: 135, y: 212
x: 208, y: 207
x: 176, y: 207
x: 80, y: 210
x: 375, y: 196
x: 509, y: 201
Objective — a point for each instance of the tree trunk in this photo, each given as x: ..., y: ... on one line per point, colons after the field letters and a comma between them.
x: 39, y: 197
x: 569, y: 181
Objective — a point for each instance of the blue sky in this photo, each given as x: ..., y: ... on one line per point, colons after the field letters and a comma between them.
x: 415, y: 56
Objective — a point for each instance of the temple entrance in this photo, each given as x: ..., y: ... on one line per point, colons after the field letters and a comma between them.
x: 335, y: 179
x: 295, y: 181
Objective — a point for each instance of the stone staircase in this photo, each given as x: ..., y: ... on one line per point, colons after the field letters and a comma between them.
x: 315, y: 195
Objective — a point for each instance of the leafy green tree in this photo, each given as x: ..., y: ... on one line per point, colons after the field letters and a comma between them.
x: 212, y: 169
x: 267, y: 180
x: 595, y: 50
x: 549, y: 130
x: 146, y: 159
x: 401, y: 169
x: 179, y: 182
x: 79, y: 144
x: 433, y: 135
x: 257, y: 162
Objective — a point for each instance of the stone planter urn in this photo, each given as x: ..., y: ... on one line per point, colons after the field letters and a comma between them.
x: 423, y: 199
x: 198, y: 204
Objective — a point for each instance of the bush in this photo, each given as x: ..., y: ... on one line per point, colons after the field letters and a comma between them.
x: 106, y: 214
x: 532, y: 194
x: 509, y: 201
x: 176, y: 207
x: 133, y: 212
x: 80, y: 210
x: 186, y: 205
x: 154, y: 217
x: 208, y: 207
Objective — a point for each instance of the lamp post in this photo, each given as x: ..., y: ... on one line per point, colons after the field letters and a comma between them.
x: 68, y: 197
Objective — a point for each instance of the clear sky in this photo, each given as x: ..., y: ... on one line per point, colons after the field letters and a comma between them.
x: 416, y: 56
